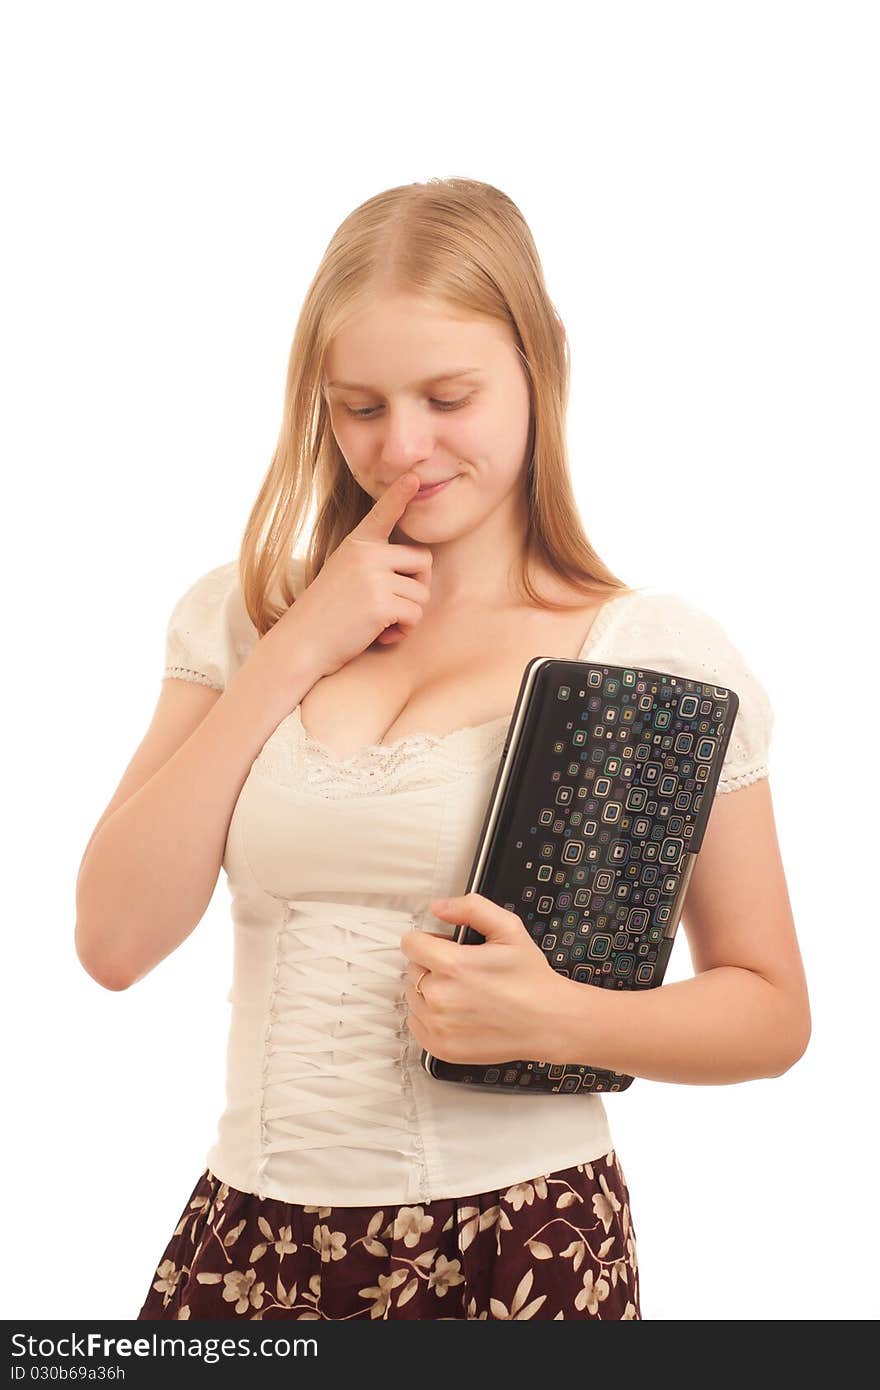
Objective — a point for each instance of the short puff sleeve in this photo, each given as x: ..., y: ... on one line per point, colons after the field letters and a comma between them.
x: 210, y: 632
x: 666, y: 632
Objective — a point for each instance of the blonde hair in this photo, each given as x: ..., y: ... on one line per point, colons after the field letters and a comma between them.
x: 465, y: 245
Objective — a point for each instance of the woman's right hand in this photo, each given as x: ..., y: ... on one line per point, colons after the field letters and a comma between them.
x: 363, y: 591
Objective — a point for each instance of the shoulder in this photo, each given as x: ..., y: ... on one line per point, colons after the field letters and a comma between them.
x: 208, y: 590
x: 209, y: 631
x: 667, y: 631
x: 654, y: 615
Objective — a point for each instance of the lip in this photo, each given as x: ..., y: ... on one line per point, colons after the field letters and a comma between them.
x: 424, y: 493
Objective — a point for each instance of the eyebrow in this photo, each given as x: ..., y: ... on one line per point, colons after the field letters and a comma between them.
x: 429, y: 381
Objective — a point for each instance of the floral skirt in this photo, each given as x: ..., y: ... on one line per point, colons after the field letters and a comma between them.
x: 561, y: 1245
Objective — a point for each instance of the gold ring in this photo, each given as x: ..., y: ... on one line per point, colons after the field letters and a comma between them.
x: 419, y: 982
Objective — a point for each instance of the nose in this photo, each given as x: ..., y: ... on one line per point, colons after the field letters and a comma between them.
x: 407, y: 438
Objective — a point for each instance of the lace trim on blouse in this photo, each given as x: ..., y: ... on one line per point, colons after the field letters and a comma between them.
x: 293, y: 757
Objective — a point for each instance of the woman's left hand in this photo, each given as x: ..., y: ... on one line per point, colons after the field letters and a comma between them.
x: 488, y: 1002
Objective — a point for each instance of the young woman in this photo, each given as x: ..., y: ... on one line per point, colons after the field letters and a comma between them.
x: 328, y: 732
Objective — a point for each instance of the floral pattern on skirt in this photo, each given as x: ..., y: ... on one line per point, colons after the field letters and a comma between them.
x: 557, y: 1246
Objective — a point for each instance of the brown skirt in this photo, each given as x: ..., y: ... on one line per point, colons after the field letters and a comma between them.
x: 557, y: 1246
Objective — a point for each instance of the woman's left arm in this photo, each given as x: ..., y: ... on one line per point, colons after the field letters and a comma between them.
x: 745, y: 1014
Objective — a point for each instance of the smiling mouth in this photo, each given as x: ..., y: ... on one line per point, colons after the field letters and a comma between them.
x: 433, y: 489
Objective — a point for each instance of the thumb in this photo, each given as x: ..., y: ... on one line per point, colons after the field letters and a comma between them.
x: 475, y: 910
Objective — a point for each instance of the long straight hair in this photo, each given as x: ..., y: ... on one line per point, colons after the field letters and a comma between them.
x: 464, y: 245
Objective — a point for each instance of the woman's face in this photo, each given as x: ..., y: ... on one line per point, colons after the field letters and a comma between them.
x: 409, y: 386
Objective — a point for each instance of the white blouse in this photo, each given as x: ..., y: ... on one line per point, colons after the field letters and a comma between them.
x: 329, y: 861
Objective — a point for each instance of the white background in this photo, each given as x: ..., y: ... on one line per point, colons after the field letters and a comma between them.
x: 701, y: 181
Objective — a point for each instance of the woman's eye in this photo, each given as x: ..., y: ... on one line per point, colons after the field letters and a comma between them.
x: 369, y: 411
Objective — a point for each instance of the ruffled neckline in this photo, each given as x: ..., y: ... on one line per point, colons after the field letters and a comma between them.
x: 472, y: 733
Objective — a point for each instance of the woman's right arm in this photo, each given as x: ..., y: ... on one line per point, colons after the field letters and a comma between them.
x: 150, y: 869
x: 151, y: 866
